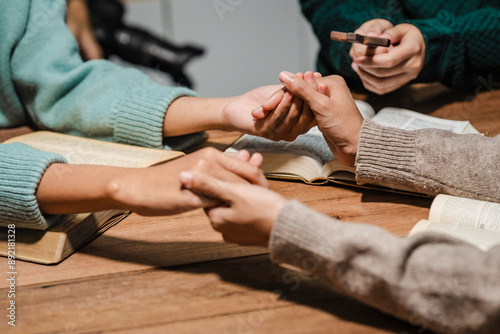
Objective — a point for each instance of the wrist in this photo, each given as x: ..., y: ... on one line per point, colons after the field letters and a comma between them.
x: 194, y: 114
x: 352, y: 149
x: 276, y: 205
x: 120, y: 190
x: 226, y: 114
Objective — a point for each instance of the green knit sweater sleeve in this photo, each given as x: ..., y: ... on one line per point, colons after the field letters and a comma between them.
x: 462, y: 50
x: 21, y: 169
x: 96, y: 99
x: 345, y: 16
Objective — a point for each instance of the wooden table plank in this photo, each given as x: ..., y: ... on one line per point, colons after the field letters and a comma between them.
x: 118, y: 283
x: 222, y: 294
x: 137, y: 244
x: 140, y: 243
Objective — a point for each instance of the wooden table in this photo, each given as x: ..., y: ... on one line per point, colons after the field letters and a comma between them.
x: 118, y: 283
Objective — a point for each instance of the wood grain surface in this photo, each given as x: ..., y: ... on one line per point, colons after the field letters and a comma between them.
x: 120, y: 282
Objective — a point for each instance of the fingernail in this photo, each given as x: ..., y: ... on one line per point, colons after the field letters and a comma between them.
x: 285, y: 76
x: 259, y: 109
x: 359, y: 60
x: 355, y: 67
x: 257, y: 112
x: 322, y: 88
x: 186, y: 179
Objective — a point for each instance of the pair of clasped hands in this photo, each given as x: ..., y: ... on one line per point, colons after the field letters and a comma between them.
x: 244, y: 212
x: 232, y: 190
x: 383, y: 70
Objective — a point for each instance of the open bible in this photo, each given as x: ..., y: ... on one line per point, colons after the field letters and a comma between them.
x: 310, y: 160
x: 70, y: 232
x: 477, y: 222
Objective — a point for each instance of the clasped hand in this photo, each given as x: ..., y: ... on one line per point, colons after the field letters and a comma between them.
x: 334, y: 110
x: 157, y: 191
x: 245, y: 213
x: 270, y: 112
x: 383, y: 70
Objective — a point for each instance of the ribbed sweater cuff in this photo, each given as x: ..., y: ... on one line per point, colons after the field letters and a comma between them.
x: 385, y: 155
x: 21, y: 169
x: 139, y: 117
x: 292, y: 236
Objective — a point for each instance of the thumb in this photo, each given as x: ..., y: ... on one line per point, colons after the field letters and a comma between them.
x: 299, y: 87
x: 395, y: 34
x: 272, y: 102
x: 206, y: 185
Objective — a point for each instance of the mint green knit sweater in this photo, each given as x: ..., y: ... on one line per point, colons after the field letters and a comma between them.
x: 462, y: 37
x: 45, y: 84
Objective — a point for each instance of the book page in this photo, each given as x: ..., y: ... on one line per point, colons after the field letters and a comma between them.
x: 465, y: 212
x: 480, y: 238
x: 470, y: 130
x: 365, y: 109
x: 311, y: 144
x: 79, y: 150
x: 412, y: 120
x: 334, y: 169
x: 290, y: 166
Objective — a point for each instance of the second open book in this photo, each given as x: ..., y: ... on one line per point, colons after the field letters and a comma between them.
x: 477, y: 222
x: 310, y: 160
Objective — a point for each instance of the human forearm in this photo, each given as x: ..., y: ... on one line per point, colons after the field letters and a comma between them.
x: 78, y: 21
x: 189, y: 115
x: 441, y: 283
x: 285, y: 120
x: 435, y: 281
x: 96, y: 99
x: 66, y: 189
x: 21, y: 168
x: 430, y: 161
x: 152, y: 191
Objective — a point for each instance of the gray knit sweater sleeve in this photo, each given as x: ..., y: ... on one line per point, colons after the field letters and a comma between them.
x: 433, y: 280
x: 430, y: 161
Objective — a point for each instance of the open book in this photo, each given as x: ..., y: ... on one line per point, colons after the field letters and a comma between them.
x: 477, y: 222
x: 310, y: 160
x: 73, y: 231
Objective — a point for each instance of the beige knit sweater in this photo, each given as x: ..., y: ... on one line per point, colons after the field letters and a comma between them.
x: 436, y: 281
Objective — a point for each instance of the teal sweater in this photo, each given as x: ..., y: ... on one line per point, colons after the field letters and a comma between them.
x: 45, y: 84
x: 462, y: 37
